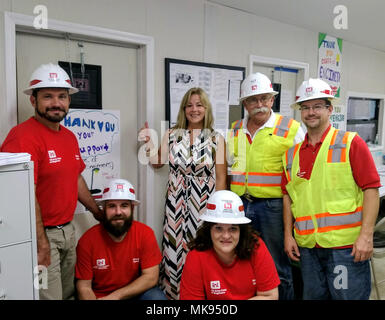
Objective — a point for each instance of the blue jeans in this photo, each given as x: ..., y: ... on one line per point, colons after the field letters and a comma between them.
x: 267, y: 218
x: 151, y: 294
x: 333, y: 274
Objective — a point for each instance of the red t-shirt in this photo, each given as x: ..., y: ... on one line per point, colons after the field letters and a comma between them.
x: 112, y: 265
x: 205, y: 277
x: 57, y: 165
x: 361, y: 161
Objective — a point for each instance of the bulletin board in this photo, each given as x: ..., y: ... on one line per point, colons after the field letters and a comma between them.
x: 222, y: 84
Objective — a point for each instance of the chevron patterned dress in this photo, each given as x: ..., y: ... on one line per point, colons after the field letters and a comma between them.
x: 190, y: 183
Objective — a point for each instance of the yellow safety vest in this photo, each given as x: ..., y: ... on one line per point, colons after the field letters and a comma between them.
x: 257, y: 167
x: 328, y: 207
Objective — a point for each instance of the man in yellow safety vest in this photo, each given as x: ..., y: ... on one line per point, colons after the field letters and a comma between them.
x: 255, y: 147
x: 331, y: 202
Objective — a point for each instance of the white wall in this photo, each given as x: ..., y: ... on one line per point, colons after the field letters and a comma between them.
x: 201, y: 31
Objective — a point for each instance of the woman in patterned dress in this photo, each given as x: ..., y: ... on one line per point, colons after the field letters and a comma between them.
x: 197, y: 161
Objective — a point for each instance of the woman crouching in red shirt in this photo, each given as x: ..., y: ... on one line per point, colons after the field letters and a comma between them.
x: 228, y: 260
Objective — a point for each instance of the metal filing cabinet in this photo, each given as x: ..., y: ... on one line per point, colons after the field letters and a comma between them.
x: 18, y: 257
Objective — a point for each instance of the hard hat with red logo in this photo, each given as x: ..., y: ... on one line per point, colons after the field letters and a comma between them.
x: 256, y: 83
x: 50, y: 76
x: 225, y: 206
x: 312, y: 89
x: 119, y: 189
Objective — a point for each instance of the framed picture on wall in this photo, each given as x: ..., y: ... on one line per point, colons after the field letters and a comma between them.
x: 88, y: 82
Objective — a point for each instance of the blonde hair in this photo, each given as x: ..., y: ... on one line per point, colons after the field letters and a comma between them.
x: 181, y: 121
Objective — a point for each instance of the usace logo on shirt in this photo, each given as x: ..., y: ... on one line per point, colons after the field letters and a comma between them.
x: 216, y: 289
x: 52, y: 157
x: 100, y: 264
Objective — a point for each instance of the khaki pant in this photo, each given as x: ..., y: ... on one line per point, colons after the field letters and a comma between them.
x: 377, y: 265
x: 61, y: 271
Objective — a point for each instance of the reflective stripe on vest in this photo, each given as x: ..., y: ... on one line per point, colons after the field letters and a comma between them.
x: 290, y: 154
x: 304, y: 225
x: 328, y: 222
x: 238, y: 178
x: 337, y: 148
x: 262, y: 179
x: 283, y: 126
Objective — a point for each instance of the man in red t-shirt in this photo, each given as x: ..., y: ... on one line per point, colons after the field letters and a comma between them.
x: 330, y: 185
x: 118, y: 258
x: 57, y: 175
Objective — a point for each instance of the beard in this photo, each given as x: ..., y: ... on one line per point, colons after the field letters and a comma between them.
x: 117, y: 230
x: 55, y: 118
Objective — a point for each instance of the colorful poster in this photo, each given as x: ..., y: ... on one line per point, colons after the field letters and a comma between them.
x: 329, y: 61
x: 98, y: 134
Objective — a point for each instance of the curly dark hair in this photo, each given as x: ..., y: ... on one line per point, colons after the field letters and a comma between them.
x: 248, y: 239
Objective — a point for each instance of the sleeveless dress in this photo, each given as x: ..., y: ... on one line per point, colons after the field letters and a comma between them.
x: 191, y: 181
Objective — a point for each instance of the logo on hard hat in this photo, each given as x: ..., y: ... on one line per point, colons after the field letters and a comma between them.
x: 309, y: 91
x: 120, y: 187
x: 254, y: 87
x: 53, y: 76
x: 227, y: 206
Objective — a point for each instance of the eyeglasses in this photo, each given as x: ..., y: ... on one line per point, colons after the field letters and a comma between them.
x: 254, y: 99
x: 316, y: 108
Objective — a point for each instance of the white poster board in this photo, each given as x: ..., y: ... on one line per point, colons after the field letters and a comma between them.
x: 98, y: 134
x: 221, y: 83
x: 338, y: 117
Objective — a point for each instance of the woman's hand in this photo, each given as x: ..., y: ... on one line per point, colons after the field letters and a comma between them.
x: 144, y: 133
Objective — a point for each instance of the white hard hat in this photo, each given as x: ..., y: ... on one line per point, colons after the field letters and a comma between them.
x: 50, y: 76
x: 256, y: 83
x: 312, y: 89
x: 119, y: 189
x: 225, y: 206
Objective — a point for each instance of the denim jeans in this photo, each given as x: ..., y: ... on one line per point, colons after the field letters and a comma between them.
x: 332, y: 274
x: 267, y: 218
x: 152, y: 294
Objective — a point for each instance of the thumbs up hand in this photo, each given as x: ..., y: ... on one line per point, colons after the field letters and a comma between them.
x: 144, y: 133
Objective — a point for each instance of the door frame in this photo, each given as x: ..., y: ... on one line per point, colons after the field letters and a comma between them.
x: 276, y: 62
x: 14, y: 22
